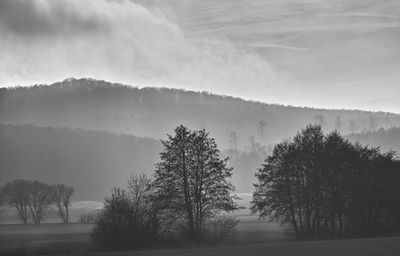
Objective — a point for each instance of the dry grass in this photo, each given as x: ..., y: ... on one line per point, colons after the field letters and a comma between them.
x: 251, y: 237
x: 44, y: 239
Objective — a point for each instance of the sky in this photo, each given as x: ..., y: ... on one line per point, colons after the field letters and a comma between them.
x: 317, y: 53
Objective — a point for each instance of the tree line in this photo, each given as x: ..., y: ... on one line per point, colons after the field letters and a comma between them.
x: 322, y: 185
x: 33, y: 199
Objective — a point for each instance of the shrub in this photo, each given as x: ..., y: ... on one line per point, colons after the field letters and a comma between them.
x: 129, y: 219
x: 218, y: 228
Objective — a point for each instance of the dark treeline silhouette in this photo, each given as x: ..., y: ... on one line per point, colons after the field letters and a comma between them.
x: 152, y: 112
x: 183, y: 203
x: 33, y: 199
x: 91, y: 161
x: 324, y: 186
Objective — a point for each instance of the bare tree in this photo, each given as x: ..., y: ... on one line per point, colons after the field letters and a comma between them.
x: 40, y: 200
x: 130, y: 217
x: 387, y: 120
x: 320, y: 120
x: 353, y: 126
x: 233, y: 139
x: 192, y: 179
x: 373, y: 123
x: 338, y: 123
x: 17, y: 194
x: 62, y: 198
x: 260, y: 128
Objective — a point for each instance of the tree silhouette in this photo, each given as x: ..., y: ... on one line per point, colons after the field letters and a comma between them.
x: 320, y: 120
x: 40, y: 200
x: 338, y: 123
x: 192, y: 179
x: 373, y: 123
x: 260, y: 128
x: 16, y: 194
x: 129, y: 218
x: 353, y: 126
x: 322, y: 185
x: 62, y: 197
x: 233, y: 139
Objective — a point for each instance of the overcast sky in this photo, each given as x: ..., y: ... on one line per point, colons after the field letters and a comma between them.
x: 319, y: 53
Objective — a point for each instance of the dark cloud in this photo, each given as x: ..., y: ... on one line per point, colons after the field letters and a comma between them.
x: 41, y: 18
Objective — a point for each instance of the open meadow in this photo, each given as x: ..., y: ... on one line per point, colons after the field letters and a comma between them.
x: 46, y: 238
x: 389, y: 246
x: 250, y: 237
x: 73, y: 238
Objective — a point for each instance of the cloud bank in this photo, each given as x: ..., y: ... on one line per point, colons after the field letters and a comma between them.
x: 44, y: 41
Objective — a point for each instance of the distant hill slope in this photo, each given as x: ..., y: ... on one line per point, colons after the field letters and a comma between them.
x: 152, y: 112
x: 92, y: 161
x: 386, y: 139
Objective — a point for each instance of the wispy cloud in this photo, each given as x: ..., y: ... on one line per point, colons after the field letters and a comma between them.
x: 269, y: 45
x: 122, y: 41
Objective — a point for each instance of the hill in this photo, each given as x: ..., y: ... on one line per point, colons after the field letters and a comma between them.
x: 92, y: 161
x: 152, y: 112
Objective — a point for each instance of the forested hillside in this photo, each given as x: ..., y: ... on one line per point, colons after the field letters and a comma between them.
x: 153, y: 112
x: 95, y: 161
x: 91, y: 161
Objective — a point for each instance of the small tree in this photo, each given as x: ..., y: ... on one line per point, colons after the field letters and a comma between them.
x: 62, y: 197
x: 130, y: 217
x: 320, y: 120
x: 192, y: 179
x: 353, y: 126
x: 16, y: 193
x: 338, y: 123
x: 233, y: 139
x: 260, y: 129
x: 40, y: 200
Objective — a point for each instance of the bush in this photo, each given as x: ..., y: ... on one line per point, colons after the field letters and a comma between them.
x: 129, y: 219
x: 218, y: 228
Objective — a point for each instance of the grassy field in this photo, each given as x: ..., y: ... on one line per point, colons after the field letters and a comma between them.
x: 52, y: 238
x: 353, y: 247
x: 44, y: 239
x: 250, y: 237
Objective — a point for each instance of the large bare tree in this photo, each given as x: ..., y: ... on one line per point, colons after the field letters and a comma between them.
x: 16, y: 194
x: 192, y: 178
x: 40, y: 200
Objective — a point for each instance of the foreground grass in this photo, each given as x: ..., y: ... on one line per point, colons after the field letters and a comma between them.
x: 45, y: 239
x: 388, y: 246
x: 74, y: 238
x: 251, y: 237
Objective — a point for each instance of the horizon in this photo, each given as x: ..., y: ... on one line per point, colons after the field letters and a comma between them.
x: 329, y: 54
x: 198, y: 91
